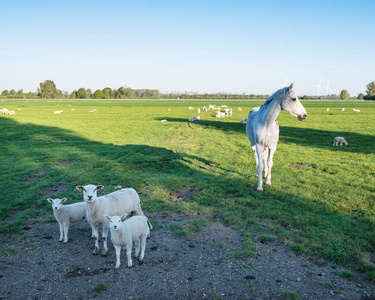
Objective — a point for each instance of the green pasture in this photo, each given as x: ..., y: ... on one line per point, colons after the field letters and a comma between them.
x: 321, y: 203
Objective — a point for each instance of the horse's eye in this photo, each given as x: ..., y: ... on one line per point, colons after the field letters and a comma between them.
x: 294, y: 99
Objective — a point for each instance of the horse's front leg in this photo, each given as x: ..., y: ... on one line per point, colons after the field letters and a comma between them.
x: 270, y: 164
x: 265, y: 160
x: 259, y: 150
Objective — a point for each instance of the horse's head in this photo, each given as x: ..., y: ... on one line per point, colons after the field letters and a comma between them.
x: 292, y: 105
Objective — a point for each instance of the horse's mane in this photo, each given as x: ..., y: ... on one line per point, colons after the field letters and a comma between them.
x: 270, y: 98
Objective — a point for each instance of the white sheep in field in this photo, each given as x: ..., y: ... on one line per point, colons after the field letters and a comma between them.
x: 220, y: 114
x: 115, y: 204
x: 135, y: 229
x: 195, y: 118
x: 12, y: 112
x: 199, y: 110
x: 340, y: 140
x: 228, y: 112
x: 205, y: 109
x: 342, y: 109
x: 164, y: 120
x: 191, y: 107
x: 58, y: 112
x: 357, y: 110
x: 211, y: 107
x: 5, y: 111
x: 243, y: 121
x: 239, y: 109
x: 65, y: 214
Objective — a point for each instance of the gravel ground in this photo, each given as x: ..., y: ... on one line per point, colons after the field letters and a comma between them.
x: 204, y: 265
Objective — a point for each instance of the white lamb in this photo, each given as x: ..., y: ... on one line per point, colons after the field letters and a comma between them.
x: 327, y: 108
x: 239, y: 109
x: 340, y: 140
x: 65, y: 214
x: 135, y: 229
x: 243, y: 121
x: 58, y: 112
x: 220, y: 114
x: 357, y: 110
x: 5, y: 111
x: 12, y: 112
x: 342, y: 109
x: 116, y: 203
x: 205, y: 109
x: 199, y: 110
x: 195, y: 118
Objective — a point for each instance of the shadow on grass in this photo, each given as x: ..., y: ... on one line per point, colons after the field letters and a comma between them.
x: 48, y: 156
x: 358, y: 143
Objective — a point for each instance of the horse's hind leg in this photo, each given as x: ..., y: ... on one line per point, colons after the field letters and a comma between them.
x: 265, y: 161
x: 270, y: 164
x: 255, y: 155
x: 259, y: 150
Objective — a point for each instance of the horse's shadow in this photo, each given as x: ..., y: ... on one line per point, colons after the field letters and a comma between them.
x: 317, y: 138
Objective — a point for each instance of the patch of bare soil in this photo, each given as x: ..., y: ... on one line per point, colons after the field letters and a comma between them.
x: 205, y: 265
x: 300, y: 167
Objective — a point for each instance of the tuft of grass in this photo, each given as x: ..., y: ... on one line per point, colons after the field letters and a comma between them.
x: 348, y: 275
x: 289, y: 294
x: 100, y: 287
x: 178, y: 229
x: 196, y: 225
x: 266, y: 239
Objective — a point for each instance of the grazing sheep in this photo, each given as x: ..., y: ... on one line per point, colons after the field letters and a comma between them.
x: 340, y: 140
x: 243, y: 121
x: 239, y: 109
x: 342, y: 109
x: 163, y: 120
x: 12, y: 112
x: 220, y: 114
x: 5, y: 111
x: 211, y: 107
x: 205, y: 109
x: 58, y: 112
x: 195, y: 118
x: 65, y: 214
x: 357, y: 110
x: 328, y: 109
x: 135, y: 229
x: 199, y: 110
x: 116, y: 203
x: 191, y: 107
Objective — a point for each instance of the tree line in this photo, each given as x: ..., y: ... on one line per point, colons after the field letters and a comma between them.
x: 48, y: 90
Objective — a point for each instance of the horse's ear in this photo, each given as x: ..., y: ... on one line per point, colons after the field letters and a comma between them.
x: 291, y: 87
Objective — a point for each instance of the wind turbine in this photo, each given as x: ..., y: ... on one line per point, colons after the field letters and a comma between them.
x: 284, y: 84
x: 327, y: 88
x: 319, y: 87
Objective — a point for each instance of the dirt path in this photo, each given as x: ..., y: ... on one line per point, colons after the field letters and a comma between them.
x: 205, y: 265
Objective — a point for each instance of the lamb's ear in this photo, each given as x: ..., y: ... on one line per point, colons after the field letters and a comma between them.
x: 107, y: 217
x: 64, y: 200
x: 50, y: 200
x: 99, y: 187
x: 79, y: 187
x: 291, y: 87
x: 124, y: 216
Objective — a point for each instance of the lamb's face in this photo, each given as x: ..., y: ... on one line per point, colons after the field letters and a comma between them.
x: 56, y: 203
x: 89, y: 191
x: 115, y: 222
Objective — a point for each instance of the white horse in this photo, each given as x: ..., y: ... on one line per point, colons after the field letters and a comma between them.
x: 262, y: 128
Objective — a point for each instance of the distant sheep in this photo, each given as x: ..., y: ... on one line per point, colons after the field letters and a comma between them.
x: 195, y: 118
x: 164, y: 120
x: 239, y: 109
x: 357, y: 110
x: 199, y: 110
x: 342, y: 109
x: 243, y: 121
x: 328, y: 109
x: 340, y: 140
x: 65, y: 214
x: 191, y: 107
x: 12, y: 112
x: 5, y: 111
x: 58, y: 112
x: 211, y: 107
x: 135, y: 229
x: 116, y: 203
x: 205, y: 109
x: 220, y: 114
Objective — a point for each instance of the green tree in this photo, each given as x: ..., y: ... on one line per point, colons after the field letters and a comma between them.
x: 47, y: 89
x: 5, y: 93
x: 12, y: 92
x: 88, y: 93
x: 19, y: 93
x: 107, y: 93
x: 370, y: 89
x: 98, y: 94
x: 360, y: 96
x: 81, y: 93
x: 344, y: 95
x: 73, y: 95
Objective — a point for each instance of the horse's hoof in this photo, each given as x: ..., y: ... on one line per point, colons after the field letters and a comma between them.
x: 259, y: 190
x: 269, y: 183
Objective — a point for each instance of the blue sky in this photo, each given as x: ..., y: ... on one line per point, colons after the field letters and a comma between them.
x: 195, y: 46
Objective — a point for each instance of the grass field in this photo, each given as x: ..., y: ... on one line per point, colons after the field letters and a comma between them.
x: 321, y: 202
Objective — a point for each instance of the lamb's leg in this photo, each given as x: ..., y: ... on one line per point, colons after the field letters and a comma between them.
x: 118, y: 253
x: 143, y: 248
x: 259, y: 150
x: 61, y: 232
x: 129, y: 254
x: 137, y: 247
x: 104, y: 236
x: 66, y: 229
x: 95, y: 235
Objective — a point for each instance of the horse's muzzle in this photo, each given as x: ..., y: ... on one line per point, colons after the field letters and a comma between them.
x: 301, y: 117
